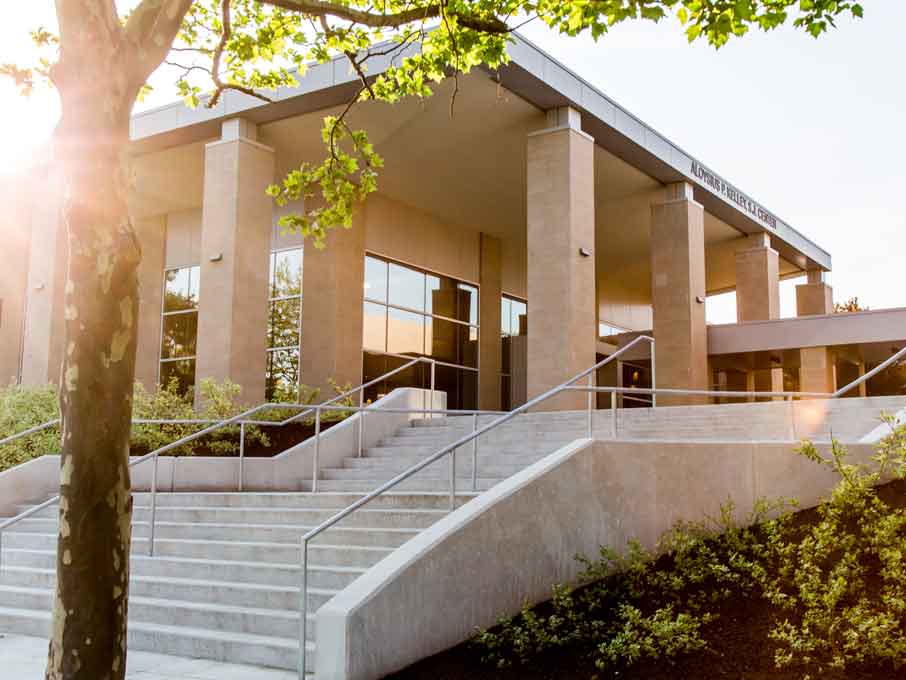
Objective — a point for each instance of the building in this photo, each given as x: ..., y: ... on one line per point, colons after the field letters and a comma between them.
x: 540, y: 227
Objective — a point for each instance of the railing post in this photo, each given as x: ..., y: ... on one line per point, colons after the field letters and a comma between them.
x: 452, y: 480
x: 361, y: 422
x: 315, y: 464
x: 303, y: 609
x: 613, y: 413
x: 1, y: 550
x: 241, y: 456
x: 591, y: 395
x: 653, y: 376
x: 792, y: 416
x: 474, y: 453
x: 433, y: 372
x: 153, y: 506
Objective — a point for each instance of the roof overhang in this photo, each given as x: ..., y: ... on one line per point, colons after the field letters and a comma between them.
x: 532, y: 75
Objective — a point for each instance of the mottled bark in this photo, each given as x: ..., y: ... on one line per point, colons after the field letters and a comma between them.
x: 99, y: 72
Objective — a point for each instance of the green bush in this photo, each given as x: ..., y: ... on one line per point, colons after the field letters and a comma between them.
x: 20, y: 409
x: 838, y: 583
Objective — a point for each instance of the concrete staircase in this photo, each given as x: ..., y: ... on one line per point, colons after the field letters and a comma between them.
x: 224, y: 583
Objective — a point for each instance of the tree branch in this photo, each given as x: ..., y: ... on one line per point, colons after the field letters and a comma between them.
x: 152, y: 27
x: 219, y: 85
x: 380, y: 20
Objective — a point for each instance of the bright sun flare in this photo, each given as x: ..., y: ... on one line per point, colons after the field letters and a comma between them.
x: 25, y: 124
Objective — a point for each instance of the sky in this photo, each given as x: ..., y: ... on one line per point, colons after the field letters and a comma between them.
x: 815, y: 130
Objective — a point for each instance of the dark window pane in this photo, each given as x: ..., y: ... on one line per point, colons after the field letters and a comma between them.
x: 460, y: 385
x: 468, y: 304
x: 505, y: 354
x: 405, y: 332
x: 286, y: 273
x: 181, y: 289
x: 505, y: 304
x: 374, y: 327
x: 376, y: 365
x: 518, y: 313
x: 452, y: 342
x: 282, y: 377
x: 179, y: 334
x: 506, y: 402
x: 441, y: 296
x: 375, y: 279
x: 407, y: 287
x: 283, y: 323
x: 180, y: 372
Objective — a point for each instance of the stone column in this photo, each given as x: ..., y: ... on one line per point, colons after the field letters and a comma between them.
x: 237, y: 220
x: 561, y: 265
x: 42, y: 346
x: 758, y: 293
x: 489, y: 322
x: 817, y: 370
x: 152, y: 235
x: 15, y: 225
x: 333, y: 281
x: 815, y: 296
x: 678, y: 293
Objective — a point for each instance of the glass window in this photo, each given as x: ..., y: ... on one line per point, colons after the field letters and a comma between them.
x: 408, y: 312
x: 405, y: 332
x: 407, y: 287
x: 284, y: 325
x: 512, y: 324
x: 375, y: 279
x: 374, y: 328
x: 182, y: 372
x: 181, y: 289
x: 286, y: 273
x: 180, y: 332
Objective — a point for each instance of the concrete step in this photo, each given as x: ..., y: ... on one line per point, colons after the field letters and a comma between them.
x: 462, y: 458
x: 307, y: 500
x: 319, y: 576
x: 365, y: 486
x: 320, y: 552
x: 273, y: 652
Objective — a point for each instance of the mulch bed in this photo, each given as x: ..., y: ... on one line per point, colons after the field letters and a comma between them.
x: 739, y: 648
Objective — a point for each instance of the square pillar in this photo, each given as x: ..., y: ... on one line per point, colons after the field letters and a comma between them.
x: 15, y: 225
x: 237, y: 219
x: 333, y: 281
x: 757, y: 280
x: 42, y: 345
x: 152, y: 236
x: 489, y: 322
x: 817, y: 370
x: 678, y: 293
x: 815, y: 296
x: 560, y: 215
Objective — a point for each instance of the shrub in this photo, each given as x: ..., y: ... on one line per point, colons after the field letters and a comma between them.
x: 20, y: 409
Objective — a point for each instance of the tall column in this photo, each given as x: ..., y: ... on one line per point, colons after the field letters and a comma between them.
x: 489, y: 321
x: 817, y: 370
x: 42, y: 346
x: 814, y: 296
x: 758, y: 294
x: 152, y: 236
x: 237, y: 220
x: 678, y: 293
x: 15, y: 226
x: 561, y: 265
x: 332, y: 283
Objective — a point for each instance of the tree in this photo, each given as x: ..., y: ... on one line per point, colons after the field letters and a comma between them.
x: 851, y: 305
x: 99, y: 64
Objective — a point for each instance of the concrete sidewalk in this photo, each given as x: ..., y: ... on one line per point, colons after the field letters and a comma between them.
x: 24, y: 658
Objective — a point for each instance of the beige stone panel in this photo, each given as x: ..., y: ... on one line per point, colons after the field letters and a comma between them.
x: 152, y: 237
x: 489, y: 321
x: 815, y: 296
x: 333, y: 281
x: 414, y: 237
x: 513, y: 268
x: 42, y: 354
x: 235, y: 244
x: 678, y: 278
x: 15, y: 228
x: 817, y: 370
x: 757, y: 280
x: 561, y: 281
x: 183, y: 234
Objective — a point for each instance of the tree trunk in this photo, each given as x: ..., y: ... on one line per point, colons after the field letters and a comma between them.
x: 101, y: 307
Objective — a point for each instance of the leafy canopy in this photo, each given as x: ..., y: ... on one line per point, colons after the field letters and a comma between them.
x: 257, y: 46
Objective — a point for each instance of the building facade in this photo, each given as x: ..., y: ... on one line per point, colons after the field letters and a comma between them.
x: 538, y: 229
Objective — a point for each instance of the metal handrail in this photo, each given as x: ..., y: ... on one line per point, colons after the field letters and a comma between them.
x: 872, y: 373
x: 448, y: 449
x: 241, y: 419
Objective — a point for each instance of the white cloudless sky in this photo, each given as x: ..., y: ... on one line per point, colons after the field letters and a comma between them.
x: 815, y: 130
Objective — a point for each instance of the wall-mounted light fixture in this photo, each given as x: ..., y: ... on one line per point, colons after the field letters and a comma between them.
x: 39, y: 286
x: 700, y: 299
x: 584, y: 252
x: 216, y: 258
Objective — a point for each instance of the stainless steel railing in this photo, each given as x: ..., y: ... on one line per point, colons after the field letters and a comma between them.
x: 433, y: 458
x: 242, y: 419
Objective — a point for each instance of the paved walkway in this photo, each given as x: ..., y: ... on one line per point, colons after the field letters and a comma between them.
x: 24, y: 658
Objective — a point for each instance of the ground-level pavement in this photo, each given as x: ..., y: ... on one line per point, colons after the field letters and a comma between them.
x: 24, y: 658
